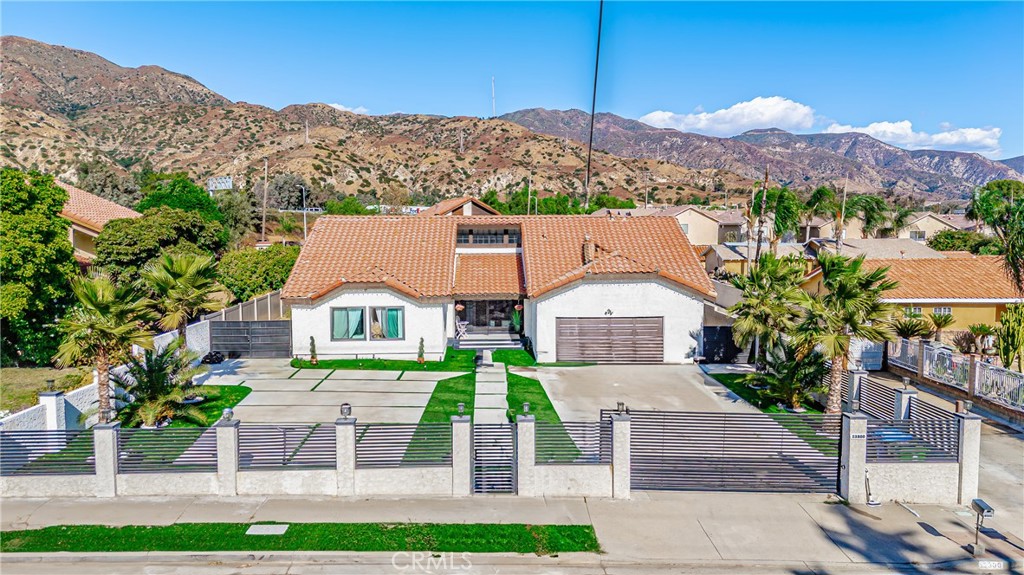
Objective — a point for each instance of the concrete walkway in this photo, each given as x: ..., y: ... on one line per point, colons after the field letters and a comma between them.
x: 654, y: 528
x: 490, y: 405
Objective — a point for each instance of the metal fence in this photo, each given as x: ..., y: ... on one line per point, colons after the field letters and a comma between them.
x: 181, y: 450
x: 263, y: 308
x: 912, y: 440
x: 903, y: 353
x: 381, y: 445
x: 302, y: 446
x: 47, y: 453
x: 1000, y: 385
x: 946, y: 366
x: 573, y: 443
x: 877, y: 399
x: 924, y: 410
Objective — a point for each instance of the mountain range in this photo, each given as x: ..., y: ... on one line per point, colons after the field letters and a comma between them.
x: 62, y: 106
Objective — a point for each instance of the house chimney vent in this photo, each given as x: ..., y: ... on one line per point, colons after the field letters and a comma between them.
x: 589, y: 249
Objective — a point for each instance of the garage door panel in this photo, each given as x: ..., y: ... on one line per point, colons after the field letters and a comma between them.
x: 610, y: 340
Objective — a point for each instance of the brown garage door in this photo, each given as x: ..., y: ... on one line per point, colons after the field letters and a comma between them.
x: 610, y: 339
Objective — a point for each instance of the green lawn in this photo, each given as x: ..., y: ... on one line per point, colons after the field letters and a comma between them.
x: 454, y: 360
x: 447, y: 395
x: 204, y: 537
x: 523, y: 389
x: 734, y: 381
x: 20, y: 386
x: 522, y: 358
x: 221, y: 396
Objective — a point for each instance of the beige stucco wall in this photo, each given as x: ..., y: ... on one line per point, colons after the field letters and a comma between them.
x: 699, y: 229
x: 929, y: 225
x: 963, y: 314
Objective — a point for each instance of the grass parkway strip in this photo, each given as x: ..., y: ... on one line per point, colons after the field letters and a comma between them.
x: 204, y: 537
x: 454, y: 360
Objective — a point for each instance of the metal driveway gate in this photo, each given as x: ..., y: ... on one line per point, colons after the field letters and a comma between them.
x: 683, y: 451
x: 494, y: 458
x: 252, y: 338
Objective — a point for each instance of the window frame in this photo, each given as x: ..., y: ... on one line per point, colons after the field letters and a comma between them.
x: 916, y: 310
x: 947, y: 310
x: 369, y: 314
x: 923, y: 235
x: 362, y: 310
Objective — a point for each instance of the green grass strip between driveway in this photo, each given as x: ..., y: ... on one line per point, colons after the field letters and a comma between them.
x: 200, y: 537
x: 447, y: 395
x: 454, y: 360
x: 734, y: 381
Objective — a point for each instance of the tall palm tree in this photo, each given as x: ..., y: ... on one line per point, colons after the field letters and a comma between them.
x: 183, y: 286
x: 940, y: 321
x: 770, y: 304
x: 107, y: 321
x: 897, y: 220
x: 872, y: 211
x: 784, y: 207
x: 821, y: 203
x: 851, y: 307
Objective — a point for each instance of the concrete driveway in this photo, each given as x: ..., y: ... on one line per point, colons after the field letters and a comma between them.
x: 283, y: 394
x: 579, y: 393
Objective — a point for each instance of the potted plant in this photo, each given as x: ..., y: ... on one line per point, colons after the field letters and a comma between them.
x: 517, y: 318
x: 419, y: 353
x: 312, y: 351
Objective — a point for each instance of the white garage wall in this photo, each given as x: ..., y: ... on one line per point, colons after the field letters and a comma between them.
x: 426, y: 320
x: 683, y: 313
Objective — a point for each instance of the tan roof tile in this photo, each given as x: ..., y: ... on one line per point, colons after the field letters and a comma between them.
x: 979, y: 277
x: 91, y: 210
x: 488, y: 274
x: 445, y: 207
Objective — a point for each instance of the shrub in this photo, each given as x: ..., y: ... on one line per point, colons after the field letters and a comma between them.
x: 250, y: 272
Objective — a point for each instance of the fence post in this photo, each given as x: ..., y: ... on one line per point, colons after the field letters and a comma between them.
x: 345, y: 435
x: 922, y: 344
x: 853, y: 386
x: 970, y: 455
x: 525, y: 454
x: 973, y: 373
x: 227, y: 456
x: 853, y: 458
x: 104, y: 438
x: 53, y: 403
x: 902, y: 408
x: 462, y: 456
x: 621, y: 475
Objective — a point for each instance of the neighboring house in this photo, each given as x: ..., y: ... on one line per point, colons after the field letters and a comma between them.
x: 876, y: 248
x: 923, y: 225
x: 701, y: 225
x: 464, y: 206
x: 971, y: 289
x: 585, y: 289
x: 88, y: 214
x: 732, y: 258
x: 826, y: 228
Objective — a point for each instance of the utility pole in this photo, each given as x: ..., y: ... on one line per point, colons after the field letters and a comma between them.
x: 494, y: 107
x: 307, y: 131
x: 840, y: 229
x: 593, y: 106
x: 303, y: 214
x: 263, y: 230
x: 647, y: 188
x: 760, y: 216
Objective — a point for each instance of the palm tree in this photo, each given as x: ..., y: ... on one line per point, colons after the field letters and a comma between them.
x: 822, y: 203
x: 107, y: 321
x: 909, y: 327
x: 183, y: 286
x: 979, y: 331
x: 851, y: 307
x: 872, y: 210
x: 789, y: 377
x: 159, y: 383
x: 785, y: 209
x: 898, y: 220
x: 940, y: 321
x: 770, y: 304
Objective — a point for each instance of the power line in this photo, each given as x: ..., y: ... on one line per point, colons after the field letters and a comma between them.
x: 593, y: 106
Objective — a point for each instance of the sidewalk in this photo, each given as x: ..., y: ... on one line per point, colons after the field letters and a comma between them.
x: 654, y: 528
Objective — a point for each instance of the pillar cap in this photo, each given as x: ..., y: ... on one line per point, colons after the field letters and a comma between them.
x: 460, y: 419
x: 51, y: 393
x: 526, y: 418
x: 855, y: 415
x: 227, y: 423
x: 621, y: 417
x: 111, y: 425
x: 345, y: 421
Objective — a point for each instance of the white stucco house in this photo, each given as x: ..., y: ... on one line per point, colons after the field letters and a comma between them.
x: 574, y: 288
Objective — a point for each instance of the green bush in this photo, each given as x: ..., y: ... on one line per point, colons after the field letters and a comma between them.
x: 250, y: 272
x: 182, y: 194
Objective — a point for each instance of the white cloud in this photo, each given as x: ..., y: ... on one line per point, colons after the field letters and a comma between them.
x: 982, y: 140
x: 761, y: 112
x: 344, y: 108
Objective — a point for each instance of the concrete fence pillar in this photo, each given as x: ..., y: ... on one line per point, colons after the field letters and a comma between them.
x: 922, y: 344
x: 227, y: 456
x: 973, y: 369
x: 526, y: 454
x: 621, y: 475
x: 853, y: 458
x: 901, y: 409
x: 853, y: 386
x: 345, y: 434
x: 53, y: 403
x: 969, y: 456
x: 462, y: 456
x: 104, y: 438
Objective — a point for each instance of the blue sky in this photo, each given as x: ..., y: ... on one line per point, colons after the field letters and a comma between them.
x: 920, y: 75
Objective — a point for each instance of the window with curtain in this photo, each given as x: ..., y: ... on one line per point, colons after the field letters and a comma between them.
x: 347, y: 323
x: 387, y: 323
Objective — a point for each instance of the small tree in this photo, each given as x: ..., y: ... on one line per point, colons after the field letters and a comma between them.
x: 183, y: 286
x: 420, y: 352
x: 159, y: 384
x: 940, y: 321
x: 312, y: 351
x: 979, y: 331
x: 788, y: 377
x: 911, y: 327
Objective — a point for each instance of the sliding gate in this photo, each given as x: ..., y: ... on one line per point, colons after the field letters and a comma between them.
x: 494, y: 458
x: 672, y: 450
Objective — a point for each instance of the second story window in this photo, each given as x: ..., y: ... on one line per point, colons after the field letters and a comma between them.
x: 462, y: 237
x: 488, y: 237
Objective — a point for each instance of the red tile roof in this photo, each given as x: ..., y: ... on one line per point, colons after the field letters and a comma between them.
x: 960, y: 278
x: 92, y: 211
x: 488, y: 274
x: 417, y: 255
x: 445, y: 207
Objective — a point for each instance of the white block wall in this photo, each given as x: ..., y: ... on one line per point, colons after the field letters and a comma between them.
x: 683, y: 313
x: 426, y: 320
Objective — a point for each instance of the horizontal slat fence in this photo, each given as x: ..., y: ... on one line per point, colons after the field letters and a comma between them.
x: 573, y: 443
x: 287, y: 446
x: 877, y: 399
x: 924, y: 410
x: 169, y: 450
x: 382, y: 445
x: 912, y: 440
x: 47, y: 453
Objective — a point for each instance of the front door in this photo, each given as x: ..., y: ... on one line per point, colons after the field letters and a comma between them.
x: 488, y: 316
